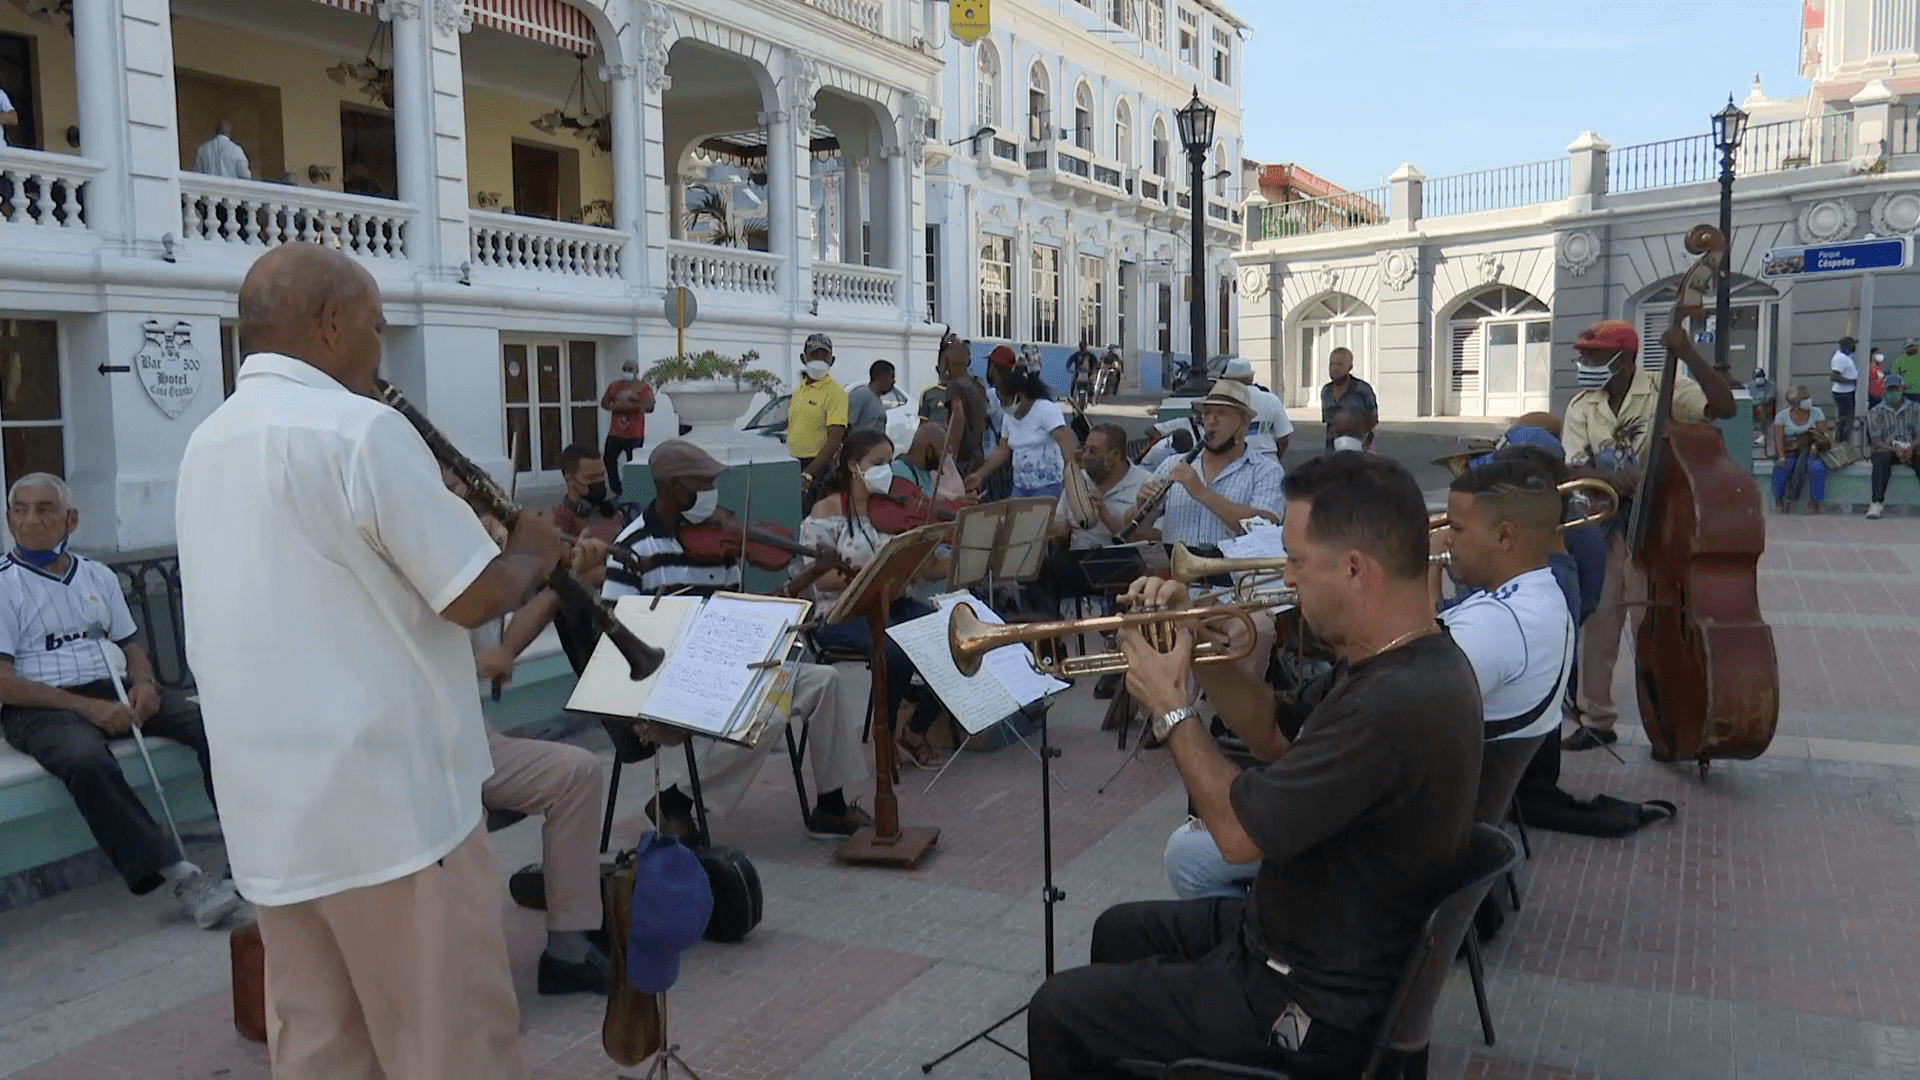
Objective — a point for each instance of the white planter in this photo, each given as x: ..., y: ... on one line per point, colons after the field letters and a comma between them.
x: 709, y: 401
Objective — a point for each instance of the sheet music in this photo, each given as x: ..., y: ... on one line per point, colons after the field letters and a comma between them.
x: 1006, y: 679
x: 1261, y: 541
x: 710, y: 671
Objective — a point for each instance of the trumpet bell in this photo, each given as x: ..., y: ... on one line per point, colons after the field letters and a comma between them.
x: 964, y: 629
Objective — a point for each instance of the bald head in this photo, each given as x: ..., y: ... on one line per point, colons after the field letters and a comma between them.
x: 317, y: 305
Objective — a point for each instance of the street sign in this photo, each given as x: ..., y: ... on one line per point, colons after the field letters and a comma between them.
x: 1838, y: 260
x: 968, y: 20
x: 1704, y: 337
x: 681, y: 307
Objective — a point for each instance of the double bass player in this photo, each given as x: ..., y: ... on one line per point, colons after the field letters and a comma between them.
x: 1606, y: 432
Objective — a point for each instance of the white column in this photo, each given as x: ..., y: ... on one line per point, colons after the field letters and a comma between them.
x: 853, y: 212
x: 629, y: 167
x: 429, y: 132
x: 123, y: 63
x: 783, y: 199
x: 830, y: 185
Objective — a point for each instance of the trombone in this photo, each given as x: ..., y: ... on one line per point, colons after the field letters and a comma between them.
x: 1585, y: 487
x: 969, y: 639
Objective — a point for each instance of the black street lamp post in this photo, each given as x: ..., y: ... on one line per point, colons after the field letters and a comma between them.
x: 1196, y: 137
x: 1728, y: 125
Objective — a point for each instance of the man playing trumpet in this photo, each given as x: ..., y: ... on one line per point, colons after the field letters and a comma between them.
x: 1362, y: 811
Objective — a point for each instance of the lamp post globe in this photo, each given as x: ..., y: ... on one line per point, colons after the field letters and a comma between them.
x: 1195, y: 123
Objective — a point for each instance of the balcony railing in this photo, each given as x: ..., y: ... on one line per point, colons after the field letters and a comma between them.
x: 1328, y: 213
x: 711, y: 268
x: 846, y: 283
x: 1668, y: 163
x: 1495, y: 189
x: 866, y: 14
x: 48, y: 190
x: 507, y: 242
x: 1006, y: 150
x: 247, y: 214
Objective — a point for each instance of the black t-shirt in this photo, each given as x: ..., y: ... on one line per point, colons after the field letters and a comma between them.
x: 1362, y: 822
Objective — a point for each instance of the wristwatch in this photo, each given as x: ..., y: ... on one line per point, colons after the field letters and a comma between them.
x: 1164, y: 723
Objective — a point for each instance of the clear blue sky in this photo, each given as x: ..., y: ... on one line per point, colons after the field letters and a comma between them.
x: 1351, y: 89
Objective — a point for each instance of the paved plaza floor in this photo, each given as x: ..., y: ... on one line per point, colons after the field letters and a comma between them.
x: 1769, y: 931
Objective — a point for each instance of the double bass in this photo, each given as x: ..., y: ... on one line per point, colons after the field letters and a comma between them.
x: 1705, y: 668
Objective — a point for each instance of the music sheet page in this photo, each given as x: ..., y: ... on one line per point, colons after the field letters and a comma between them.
x: 708, y: 674
x: 1006, y: 679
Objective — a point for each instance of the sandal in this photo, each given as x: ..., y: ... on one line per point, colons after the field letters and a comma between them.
x: 918, y: 751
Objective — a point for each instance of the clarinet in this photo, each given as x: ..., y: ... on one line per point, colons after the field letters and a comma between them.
x: 1152, y: 506
x: 642, y: 659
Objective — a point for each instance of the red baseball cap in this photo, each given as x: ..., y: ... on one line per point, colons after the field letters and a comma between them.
x: 1001, y: 356
x: 1608, y: 335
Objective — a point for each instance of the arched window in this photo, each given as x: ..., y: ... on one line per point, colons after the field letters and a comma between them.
x: 1220, y: 171
x: 1083, y: 116
x: 1501, y: 343
x: 1123, y: 133
x: 986, y: 87
x: 1335, y: 321
x: 1160, y: 154
x: 1039, y: 108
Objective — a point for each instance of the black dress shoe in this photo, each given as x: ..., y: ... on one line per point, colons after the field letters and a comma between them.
x: 1588, y: 739
x: 588, y: 976
x: 528, y: 887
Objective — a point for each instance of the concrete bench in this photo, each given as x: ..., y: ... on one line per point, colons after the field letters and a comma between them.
x: 1850, y: 488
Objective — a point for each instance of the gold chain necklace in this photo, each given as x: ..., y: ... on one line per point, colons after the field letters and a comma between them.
x: 1399, y: 641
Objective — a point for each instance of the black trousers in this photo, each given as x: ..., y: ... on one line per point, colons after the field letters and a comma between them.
x: 1883, y: 464
x: 78, y: 754
x: 1169, y: 980
x: 616, y: 448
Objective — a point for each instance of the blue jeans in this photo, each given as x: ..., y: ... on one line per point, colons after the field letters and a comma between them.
x: 1816, y: 476
x: 1197, y: 871
x: 1049, y: 490
x: 852, y: 634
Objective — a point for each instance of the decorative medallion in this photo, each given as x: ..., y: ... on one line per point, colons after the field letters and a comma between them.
x: 1576, y: 252
x: 1827, y: 220
x: 803, y: 77
x: 1491, y: 267
x: 917, y: 112
x: 1399, y: 266
x: 1896, y: 213
x: 1329, y: 278
x: 168, y: 366
x: 450, y: 17
x: 656, y: 40
x: 1255, y: 281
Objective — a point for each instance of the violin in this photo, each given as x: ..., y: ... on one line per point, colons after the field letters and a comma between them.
x: 723, y: 538
x: 903, y: 508
x: 1707, y: 676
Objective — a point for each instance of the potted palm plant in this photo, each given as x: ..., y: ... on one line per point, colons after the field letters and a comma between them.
x: 710, y: 388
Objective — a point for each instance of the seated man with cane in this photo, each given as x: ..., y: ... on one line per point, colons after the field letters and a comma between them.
x: 1359, y: 819
x: 60, y: 706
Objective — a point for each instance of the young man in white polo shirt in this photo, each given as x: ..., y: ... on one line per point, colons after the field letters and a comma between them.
x: 58, y: 704
x: 1515, y: 629
x: 330, y: 580
x: 1271, y: 429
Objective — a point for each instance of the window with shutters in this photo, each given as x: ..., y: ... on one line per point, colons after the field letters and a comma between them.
x: 1120, y: 13
x: 1162, y: 152
x: 1223, y: 56
x: 996, y: 287
x: 1501, y: 341
x: 1156, y: 29
x: 986, y: 87
x: 1334, y: 321
x: 1039, y: 108
x: 1123, y: 134
x: 1083, y: 117
x: 1093, y: 299
x: 1046, y: 294
x: 1751, y: 340
x: 1189, y: 38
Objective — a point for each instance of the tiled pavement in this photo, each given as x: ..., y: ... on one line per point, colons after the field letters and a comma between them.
x: 1769, y: 931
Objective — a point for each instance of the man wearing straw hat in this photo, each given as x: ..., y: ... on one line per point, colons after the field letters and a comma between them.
x: 1221, y: 482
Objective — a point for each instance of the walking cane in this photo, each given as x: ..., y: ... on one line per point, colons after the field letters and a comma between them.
x: 98, y: 634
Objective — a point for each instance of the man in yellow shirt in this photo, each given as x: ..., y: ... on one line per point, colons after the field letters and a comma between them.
x: 816, y: 417
x: 1608, y: 427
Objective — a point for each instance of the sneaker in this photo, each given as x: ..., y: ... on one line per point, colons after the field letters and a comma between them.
x: 1587, y: 739
x: 207, y: 900
x: 822, y: 825
x: 1874, y: 510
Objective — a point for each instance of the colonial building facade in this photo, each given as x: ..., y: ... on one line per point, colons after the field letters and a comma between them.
x: 525, y: 179
x: 1462, y: 295
x: 1059, y: 204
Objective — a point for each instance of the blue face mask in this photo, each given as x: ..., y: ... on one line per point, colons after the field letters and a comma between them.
x: 38, y: 558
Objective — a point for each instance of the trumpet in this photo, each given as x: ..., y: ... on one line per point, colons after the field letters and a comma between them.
x: 1187, y: 568
x: 1583, y: 485
x: 969, y: 639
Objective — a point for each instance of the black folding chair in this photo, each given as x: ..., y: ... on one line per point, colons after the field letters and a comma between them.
x: 1406, y: 1028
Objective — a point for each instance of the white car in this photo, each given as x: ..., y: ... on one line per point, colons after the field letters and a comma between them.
x: 770, y: 419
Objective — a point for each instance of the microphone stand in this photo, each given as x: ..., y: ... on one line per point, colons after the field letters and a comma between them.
x: 1049, y: 895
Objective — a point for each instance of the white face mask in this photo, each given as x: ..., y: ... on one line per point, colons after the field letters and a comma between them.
x: 1348, y: 442
x: 817, y: 369
x: 1592, y: 376
x: 704, y: 504
x: 878, y: 478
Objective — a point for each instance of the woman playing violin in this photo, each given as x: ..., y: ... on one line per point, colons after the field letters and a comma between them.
x: 839, y: 521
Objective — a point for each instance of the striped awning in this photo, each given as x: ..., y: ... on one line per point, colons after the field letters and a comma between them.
x: 550, y: 22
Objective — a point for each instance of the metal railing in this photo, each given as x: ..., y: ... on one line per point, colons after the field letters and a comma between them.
x: 1903, y: 129
x: 151, y: 585
x: 1494, y: 189
x: 1328, y: 213
x: 1668, y: 163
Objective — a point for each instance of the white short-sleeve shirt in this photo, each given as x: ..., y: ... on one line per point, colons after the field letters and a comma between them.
x: 317, y: 547
x: 1519, y: 639
x: 6, y: 105
x: 1270, y: 420
x: 45, y: 619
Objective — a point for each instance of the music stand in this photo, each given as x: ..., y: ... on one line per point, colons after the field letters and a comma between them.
x: 870, y: 596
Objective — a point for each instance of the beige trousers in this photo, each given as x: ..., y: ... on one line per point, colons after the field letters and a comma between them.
x: 561, y: 784
x: 834, y: 717
x: 405, y: 980
x: 1600, y: 636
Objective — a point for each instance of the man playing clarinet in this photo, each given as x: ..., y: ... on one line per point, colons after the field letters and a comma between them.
x: 330, y: 581
x: 1358, y: 819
